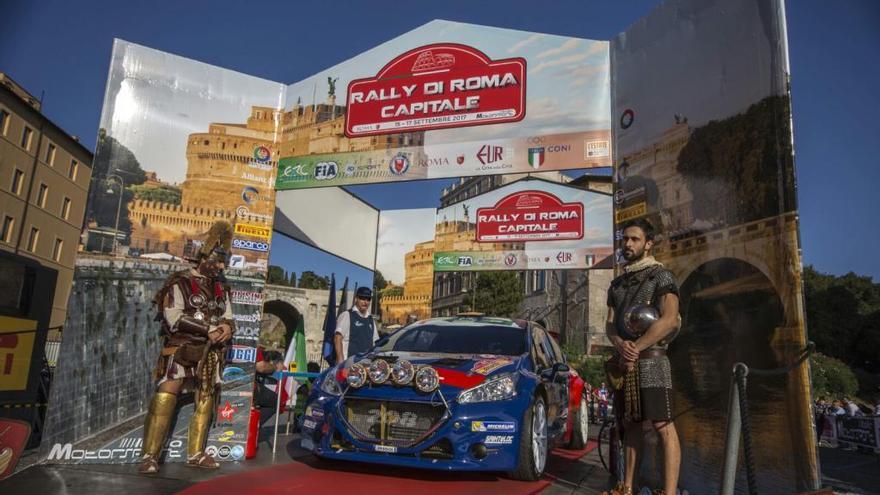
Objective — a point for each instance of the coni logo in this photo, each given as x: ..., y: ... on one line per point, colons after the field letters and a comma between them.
x: 262, y: 154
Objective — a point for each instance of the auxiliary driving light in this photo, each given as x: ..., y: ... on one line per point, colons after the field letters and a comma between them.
x: 379, y: 371
x: 357, y: 375
x: 427, y: 379
x: 402, y: 372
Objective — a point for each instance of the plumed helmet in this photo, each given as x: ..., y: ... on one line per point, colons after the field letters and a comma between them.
x: 638, y: 319
x: 217, y: 243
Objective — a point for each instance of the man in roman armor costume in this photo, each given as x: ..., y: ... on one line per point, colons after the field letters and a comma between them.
x: 197, y: 325
x: 642, y: 319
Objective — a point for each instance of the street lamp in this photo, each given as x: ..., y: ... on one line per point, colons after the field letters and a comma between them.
x: 118, y: 208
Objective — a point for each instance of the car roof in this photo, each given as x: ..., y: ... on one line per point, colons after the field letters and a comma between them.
x: 473, y: 320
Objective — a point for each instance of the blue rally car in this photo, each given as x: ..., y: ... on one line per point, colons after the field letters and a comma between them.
x: 459, y: 393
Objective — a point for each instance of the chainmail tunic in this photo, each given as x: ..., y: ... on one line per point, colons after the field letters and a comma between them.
x: 647, y: 391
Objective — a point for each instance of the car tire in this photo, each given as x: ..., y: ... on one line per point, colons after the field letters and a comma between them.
x: 580, y: 429
x: 533, y: 447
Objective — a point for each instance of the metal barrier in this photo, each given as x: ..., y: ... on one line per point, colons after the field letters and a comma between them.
x: 738, y: 422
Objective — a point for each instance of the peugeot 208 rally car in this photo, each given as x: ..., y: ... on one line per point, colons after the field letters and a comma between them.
x: 457, y: 393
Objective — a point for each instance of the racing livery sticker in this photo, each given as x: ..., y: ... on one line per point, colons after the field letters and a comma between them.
x: 487, y: 366
x: 493, y: 426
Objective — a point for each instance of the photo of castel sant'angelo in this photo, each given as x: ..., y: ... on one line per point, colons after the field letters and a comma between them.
x: 230, y: 171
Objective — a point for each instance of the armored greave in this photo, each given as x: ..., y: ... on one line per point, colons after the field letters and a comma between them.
x: 199, y: 424
x: 156, y: 425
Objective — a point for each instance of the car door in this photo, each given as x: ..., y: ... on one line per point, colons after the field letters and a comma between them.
x: 556, y: 384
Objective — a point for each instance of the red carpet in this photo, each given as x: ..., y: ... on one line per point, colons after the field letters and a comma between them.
x: 312, y: 476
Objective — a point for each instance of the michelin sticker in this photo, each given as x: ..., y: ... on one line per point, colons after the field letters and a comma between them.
x: 493, y: 426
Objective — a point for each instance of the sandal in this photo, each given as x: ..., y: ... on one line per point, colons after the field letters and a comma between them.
x: 202, y: 460
x: 149, y: 465
x: 619, y: 489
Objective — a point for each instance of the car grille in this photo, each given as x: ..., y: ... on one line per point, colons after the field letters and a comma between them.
x: 402, y: 424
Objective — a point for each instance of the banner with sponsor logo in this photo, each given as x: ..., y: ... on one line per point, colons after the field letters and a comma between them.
x: 703, y: 150
x: 525, y: 225
x: 485, y: 101
x: 182, y: 145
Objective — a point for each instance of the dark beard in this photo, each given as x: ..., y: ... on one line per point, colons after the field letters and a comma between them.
x: 635, y: 256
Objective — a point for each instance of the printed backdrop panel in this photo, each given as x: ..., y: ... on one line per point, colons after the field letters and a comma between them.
x: 530, y: 224
x: 485, y: 101
x: 704, y: 151
x: 182, y: 145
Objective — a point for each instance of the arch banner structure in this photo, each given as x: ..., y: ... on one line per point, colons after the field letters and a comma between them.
x: 690, y: 105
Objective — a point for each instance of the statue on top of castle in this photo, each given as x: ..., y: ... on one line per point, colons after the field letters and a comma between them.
x: 332, y: 82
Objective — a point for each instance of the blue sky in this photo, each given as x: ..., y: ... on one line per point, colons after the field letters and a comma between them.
x: 63, y: 48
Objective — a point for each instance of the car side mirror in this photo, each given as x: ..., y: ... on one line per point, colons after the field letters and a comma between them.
x: 552, y: 372
x: 382, y: 341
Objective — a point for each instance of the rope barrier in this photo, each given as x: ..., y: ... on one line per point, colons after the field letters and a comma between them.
x: 739, y: 408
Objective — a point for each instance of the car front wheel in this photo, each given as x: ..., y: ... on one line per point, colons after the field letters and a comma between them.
x: 533, y: 443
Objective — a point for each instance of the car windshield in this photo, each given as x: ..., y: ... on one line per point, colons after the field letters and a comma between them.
x: 459, y: 339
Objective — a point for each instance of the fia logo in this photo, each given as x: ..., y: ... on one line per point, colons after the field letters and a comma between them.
x: 326, y: 170
x: 465, y: 261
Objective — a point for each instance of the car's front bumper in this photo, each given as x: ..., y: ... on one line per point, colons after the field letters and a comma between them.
x: 474, y: 437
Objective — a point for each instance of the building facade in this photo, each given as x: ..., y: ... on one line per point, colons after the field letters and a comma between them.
x: 44, y: 184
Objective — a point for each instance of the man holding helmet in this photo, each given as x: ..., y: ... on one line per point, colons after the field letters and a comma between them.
x: 197, y: 323
x: 642, y: 319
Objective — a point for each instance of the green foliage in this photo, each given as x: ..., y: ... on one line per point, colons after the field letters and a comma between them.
x: 277, y: 276
x: 391, y: 291
x: 741, y: 168
x: 843, y: 317
x: 165, y: 194
x: 112, y: 158
x: 309, y: 280
x: 831, y: 377
x: 379, y: 281
x: 592, y: 369
x: 498, y: 293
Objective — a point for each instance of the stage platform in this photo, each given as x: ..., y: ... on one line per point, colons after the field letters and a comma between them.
x: 294, y: 470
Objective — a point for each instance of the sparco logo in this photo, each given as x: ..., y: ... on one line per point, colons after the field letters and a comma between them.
x: 247, y: 297
x: 241, y: 354
x: 250, y: 245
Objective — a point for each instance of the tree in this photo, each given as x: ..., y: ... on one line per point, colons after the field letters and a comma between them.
x: 379, y: 281
x: 832, y: 377
x: 275, y: 275
x: 291, y: 279
x: 112, y: 158
x: 498, y: 293
x: 741, y: 168
x: 309, y: 280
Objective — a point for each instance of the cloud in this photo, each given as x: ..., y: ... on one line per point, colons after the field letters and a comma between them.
x: 569, y: 45
x: 568, y: 59
x: 524, y: 43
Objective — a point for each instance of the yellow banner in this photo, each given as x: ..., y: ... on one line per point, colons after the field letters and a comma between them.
x: 16, y: 346
x: 630, y: 212
x: 253, y: 230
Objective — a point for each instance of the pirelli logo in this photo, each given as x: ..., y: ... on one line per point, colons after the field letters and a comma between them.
x: 253, y: 230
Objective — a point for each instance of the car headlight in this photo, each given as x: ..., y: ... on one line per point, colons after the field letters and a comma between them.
x: 379, y: 371
x: 330, y: 385
x: 402, y: 372
x: 427, y: 379
x: 357, y: 375
x: 499, y: 388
